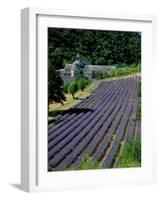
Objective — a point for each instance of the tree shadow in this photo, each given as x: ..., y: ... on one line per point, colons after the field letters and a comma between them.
x: 57, y: 114
x: 78, y: 98
x: 70, y: 111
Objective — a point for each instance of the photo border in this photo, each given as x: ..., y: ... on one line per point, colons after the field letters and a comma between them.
x: 29, y: 92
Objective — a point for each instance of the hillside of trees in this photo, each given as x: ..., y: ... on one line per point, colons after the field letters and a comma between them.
x: 95, y: 46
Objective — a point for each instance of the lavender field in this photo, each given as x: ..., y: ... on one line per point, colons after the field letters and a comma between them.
x: 97, y: 128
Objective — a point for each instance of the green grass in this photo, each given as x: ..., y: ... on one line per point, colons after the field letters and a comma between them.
x: 87, y: 163
x: 119, y: 72
x: 131, y: 155
x: 138, y: 116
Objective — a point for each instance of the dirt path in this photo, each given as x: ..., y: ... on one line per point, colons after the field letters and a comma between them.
x: 121, y: 77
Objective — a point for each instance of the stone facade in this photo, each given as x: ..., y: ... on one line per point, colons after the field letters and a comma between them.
x: 85, y: 68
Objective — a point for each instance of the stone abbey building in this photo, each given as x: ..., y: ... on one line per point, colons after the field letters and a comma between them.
x: 79, y: 67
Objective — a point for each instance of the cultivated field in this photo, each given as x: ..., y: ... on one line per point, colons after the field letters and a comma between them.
x: 98, y: 127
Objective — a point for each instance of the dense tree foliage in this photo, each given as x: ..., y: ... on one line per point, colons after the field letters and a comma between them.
x: 55, y: 86
x: 80, y: 83
x: 98, y: 47
x: 118, y: 72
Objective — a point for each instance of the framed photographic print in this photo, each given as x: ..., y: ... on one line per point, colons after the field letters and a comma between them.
x: 86, y: 99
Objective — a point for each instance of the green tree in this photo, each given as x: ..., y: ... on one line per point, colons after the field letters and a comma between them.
x: 73, y: 88
x: 81, y: 84
x: 65, y: 88
x: 98, y: 47
x: 55, y: 86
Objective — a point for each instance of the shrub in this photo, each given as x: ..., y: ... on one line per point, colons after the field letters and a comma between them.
x: 65, y: 88
x: 108, y: 74
x: 119, y: 71
x: 81, y: 84
x: 114, y: 72
x: 133, y: 65
x: 138, y: 66
x: 138, y: 117
x: 99, y: 75
x: 105, y: 74
x: 122, y: 65
x: 82, y: 81
x: 87, y: 163
x: 87, y: 81
x: 73, y: 88
x: 131, y: 155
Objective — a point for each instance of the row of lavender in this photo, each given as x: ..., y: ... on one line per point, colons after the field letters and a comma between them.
x: 96, y: 126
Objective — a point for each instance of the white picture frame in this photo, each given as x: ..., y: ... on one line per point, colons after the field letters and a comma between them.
x: 34, y: 176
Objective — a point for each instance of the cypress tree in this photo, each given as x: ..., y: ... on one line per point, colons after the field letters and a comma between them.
x: 55, y: 86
